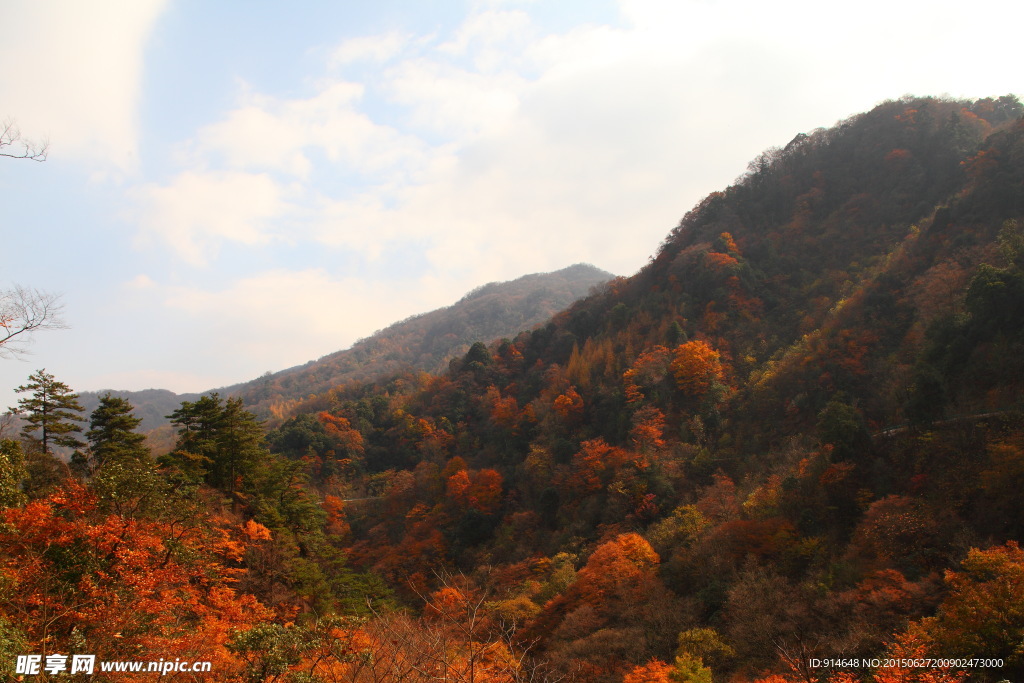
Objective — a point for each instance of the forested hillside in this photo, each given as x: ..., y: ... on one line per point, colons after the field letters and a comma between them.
x: 790, y: 448
x: 423, y: 342
x: 429, y: 340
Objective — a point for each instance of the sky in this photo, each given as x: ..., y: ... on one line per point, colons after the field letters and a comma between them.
x: 240, y: 187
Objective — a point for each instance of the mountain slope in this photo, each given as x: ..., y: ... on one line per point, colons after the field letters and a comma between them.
x: 716, y: 445
x: 429, y: 340
x: 423, y: 342
x: 790, y: 447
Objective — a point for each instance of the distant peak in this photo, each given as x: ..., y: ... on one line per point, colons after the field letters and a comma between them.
x: 581, y: 269
x: 575, y: 273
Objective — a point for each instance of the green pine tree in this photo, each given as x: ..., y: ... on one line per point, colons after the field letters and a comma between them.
x: 240, y: 447
x: 218, y: 443
x: 198, y: 424
x: 52, y: 410
x: 112, y: 434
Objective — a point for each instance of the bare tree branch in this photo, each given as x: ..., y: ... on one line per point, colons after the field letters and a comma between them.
x: 24, y: 310
x: 16, y: 147
x: 8, y: 424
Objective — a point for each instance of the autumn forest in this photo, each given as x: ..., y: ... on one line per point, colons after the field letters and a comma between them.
x: 790, y: 449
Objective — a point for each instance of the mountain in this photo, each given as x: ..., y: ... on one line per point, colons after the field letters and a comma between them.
x: 795, y: 433
x: 423, y: 342
x: 427, y: 341
x: 152, y: 406
x: 790, y: 448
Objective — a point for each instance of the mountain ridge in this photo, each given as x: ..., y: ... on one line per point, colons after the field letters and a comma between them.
x: 690, y: 474
x: 489, y: 311
x: 693, y: 445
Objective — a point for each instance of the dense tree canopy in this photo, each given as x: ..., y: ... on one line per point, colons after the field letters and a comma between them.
x: 794, y: 436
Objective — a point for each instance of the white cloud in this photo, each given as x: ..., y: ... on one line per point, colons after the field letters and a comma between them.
x: 378, y: 48
x: 450, y: 100
x: 266, y: 133
x: 253, y: 137
x: 140, y: 282
x: 576, y: 162
x: 200, y: 211
x: 490, y: 38
x: 503, y: 149
x: 292, y: 316
x: 73, y: 73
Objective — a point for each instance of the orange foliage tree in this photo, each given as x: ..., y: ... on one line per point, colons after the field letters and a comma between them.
x: 647, y: 373
x: 696, y: 367
x: 569, y: 406
x: 504, y: 410
x: 478, y: 490
x: 347, y: 442
x: 654, y: 671
x: 908, y: 649
x: 648, y: 428
x: 129, y: 588
x: 596, y: 463
x: 619, y: 570
x: 983, y: 613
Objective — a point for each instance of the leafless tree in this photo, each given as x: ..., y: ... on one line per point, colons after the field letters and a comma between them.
x: 24, y: 310
x: 8, y: 425
x: 16, y: 147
